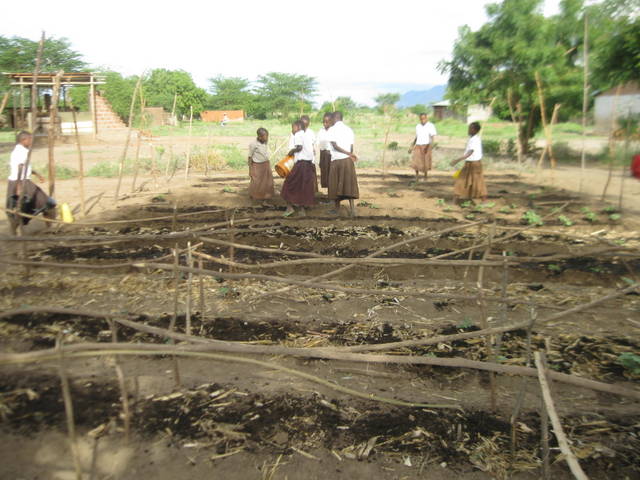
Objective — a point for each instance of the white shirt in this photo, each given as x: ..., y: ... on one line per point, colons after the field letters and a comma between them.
x: 343, y: 137
x: 18, y: 157
x: 310, y: 144
x: 474, y: 143
x: 424, y: 133
x: 302, y: 140
x: 291, y: 145
x: 323, y: 139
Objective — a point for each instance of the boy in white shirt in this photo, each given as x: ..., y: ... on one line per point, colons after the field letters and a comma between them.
x: 470, y: 183
x: 325, y: 153
x: 25, y: 196
x: 422, y: 146
x: 343, y: 182
x: 300, y: 186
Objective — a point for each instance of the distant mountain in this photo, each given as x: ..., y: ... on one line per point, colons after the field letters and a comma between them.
x: 422, y: 97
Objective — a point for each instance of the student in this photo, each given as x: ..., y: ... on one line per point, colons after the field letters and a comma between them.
x: 470, y: 183
x: 225, y: 120
x: 310, y: 138
x: 261, y: 186
x: 26, y: 197
x: 324, y: 146
x: 300, y: 186
x: 422, y: 146
x: 343, y: 182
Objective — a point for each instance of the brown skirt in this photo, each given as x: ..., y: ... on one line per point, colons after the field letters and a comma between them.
x: 36, y: 201
x: 261, y: 186
x: 343, y: 182
x: 421, y: 158
x: 301, y: 184
x: 325, y: 165
x: 470, y: 183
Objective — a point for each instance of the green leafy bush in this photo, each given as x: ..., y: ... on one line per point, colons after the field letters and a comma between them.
x: 532, y: 218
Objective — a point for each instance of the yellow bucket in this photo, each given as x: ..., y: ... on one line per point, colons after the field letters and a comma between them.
x: 284, y: 166
x: 457, y: 173
x: 65, y: 213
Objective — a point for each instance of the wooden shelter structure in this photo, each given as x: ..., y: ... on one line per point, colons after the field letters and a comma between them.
x: 22, y: 116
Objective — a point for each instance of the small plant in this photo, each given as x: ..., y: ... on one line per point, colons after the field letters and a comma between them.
x: 393, y: 146
x: 466, y: 323
x: 532, y: 218
x: 440, y: 202
x: 620, y: 241
x: 566, y: 221
x: 465, y: 204
x: 610, y: 209
x: 615, y: 217
x: 506, y: 209
x: 364, y: 203
x: 228, y: 189
x: 470, y: 216
x: 554, y: 267
x: 487, y: 205
x: 630, y: 361
x: 447, y: 209
x: 589, y: 216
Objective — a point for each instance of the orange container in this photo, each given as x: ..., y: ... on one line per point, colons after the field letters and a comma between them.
x: 284, y: 166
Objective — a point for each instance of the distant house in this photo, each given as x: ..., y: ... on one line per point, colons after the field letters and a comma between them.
x: 472, y: 113
x: 218, y: 115
x: 626, y: 102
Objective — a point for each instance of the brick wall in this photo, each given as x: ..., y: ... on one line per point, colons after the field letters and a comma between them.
x: 106, y: 117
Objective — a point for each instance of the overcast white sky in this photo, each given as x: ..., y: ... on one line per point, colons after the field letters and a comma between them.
x: 353, y: 48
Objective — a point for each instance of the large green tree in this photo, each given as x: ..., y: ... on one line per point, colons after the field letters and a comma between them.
x: 504, y: 55
x: 281, y: 94
x: 18, y: 54
x: 162, y: 85
x: 230, y: 93
x: 118, y: 90
x: 617, y: 56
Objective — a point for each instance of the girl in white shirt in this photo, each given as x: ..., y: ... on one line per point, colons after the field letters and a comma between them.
x: 470, y: 183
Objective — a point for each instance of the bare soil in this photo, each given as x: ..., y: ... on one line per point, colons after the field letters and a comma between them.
x: 236, y: 421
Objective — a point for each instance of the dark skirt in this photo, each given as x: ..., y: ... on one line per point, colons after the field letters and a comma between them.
x: 36, y: 201
x: 470, y: 183
x: 301, y: 184
x: 343, y: 183
x: 325, y: 164
x: 421, y: 158
x: 261, y: 186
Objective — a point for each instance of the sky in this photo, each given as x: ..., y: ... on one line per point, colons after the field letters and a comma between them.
x: 353, y: 48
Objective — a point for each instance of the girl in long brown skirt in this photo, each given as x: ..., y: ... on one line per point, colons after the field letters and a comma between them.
x: 261, y: 185
x: 470, y: 183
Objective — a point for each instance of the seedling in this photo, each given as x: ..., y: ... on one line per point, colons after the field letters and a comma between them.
x: 506, y: 209
x: 465, y: 204
x: 470, y: 216
x: 532, y: 218
x: 615, y: 217
x: 566, y: 221
x: 554, y: 267
x: 228, y: 189
x: 630, y: 361
x: 487, y: 205
x: 589, y: 216
x: 610, y: 209
x: 466, y: 323
x: 440, y: 202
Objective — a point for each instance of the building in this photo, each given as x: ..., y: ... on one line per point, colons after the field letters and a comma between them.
x: 614, y: 104
x: 218, y: 115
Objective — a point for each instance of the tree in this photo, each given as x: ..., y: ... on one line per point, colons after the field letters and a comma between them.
x: 617, y: 58
x: 162, y: 85
x: 118, y: 90
x: 385, y: 100
x: 18, y: 54
x: 502, y: 57
x: 230, y: 93
x: 281, y: 94
x: 344, y: 104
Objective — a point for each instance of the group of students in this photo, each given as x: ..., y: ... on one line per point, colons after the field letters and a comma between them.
x: 336, y: 160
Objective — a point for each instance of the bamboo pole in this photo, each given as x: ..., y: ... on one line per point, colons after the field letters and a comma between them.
x: 126, y: 411
x: 52, y: 133
x: 563, y: 443
x: 188, y: 162
x: 136, y: 158
x: 5, y: 99
x: 202, y: 299
x: 189, y: 287
x: 585, y: 98
x: 172, y: 324
x: 126, y: 143
x: 83, y: 207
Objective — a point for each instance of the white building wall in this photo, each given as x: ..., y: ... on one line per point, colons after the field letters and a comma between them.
x: 604, y: 108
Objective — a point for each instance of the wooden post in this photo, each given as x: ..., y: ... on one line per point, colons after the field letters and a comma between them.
x: 93, y: 106
x: 126, y: 144
x: 83, y: 207
x: 21, y: 126
x: 172, y: 324
x: 517, y: 121
x: 5, y: 99
x: 612, y: 141
x: 52, y: 132
x: 548, y: 148
x: 189, y: 286
x: 585, y: 98
x: 202, y: 301
x: 483, y: 319
x: 186, y: 167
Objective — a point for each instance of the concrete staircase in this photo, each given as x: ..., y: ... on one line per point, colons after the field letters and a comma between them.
x: 106, y: 117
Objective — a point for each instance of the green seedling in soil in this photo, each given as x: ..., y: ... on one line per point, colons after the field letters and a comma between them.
x: 532, y: 218
x: 615, y: 217
x: 620, y: 241
x: 229, y: 189
x: 610, y: 209
x: 440, y: 202
x: 447, y: 209
x: 566, y: 221
x: 364, y: 203
x: 554, y: 267
x: 630, y: 361
x: 466, y: 323
x: 465, y: 204
x: 470, y: 216
x: 487, y: 205
x: 506, y: 209
x: 589, y: 216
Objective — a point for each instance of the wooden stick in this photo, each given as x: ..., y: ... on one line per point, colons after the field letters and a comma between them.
x: 172, y: 324
x: 189, y: 287
x: 5, y: 99
x: 202, y: 300
x: 554, y: 120
x: 585, y: 98
x: 136, y: 160
x: 52, y: 133
x: 126, y: 412
x: 68, y: 409
x: 485, y: 323
x: 242, y: 246
x: 612, y: 141
x: 517, y: 122
x: 563, y: 443
x: 188, y: 162
x: 83, y: 207
x: 544, y: 442
x: 123, y: 157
